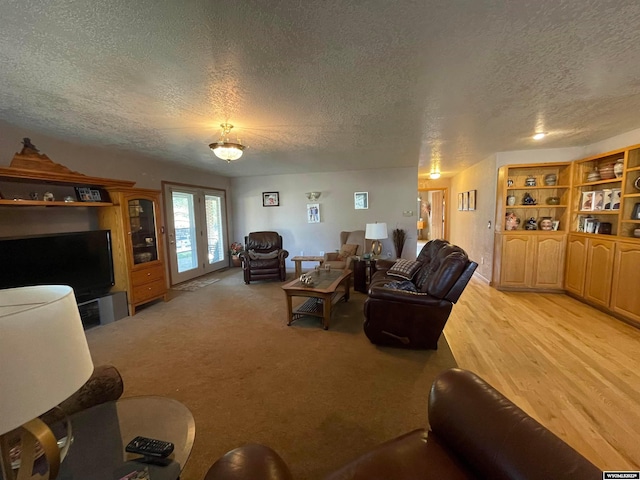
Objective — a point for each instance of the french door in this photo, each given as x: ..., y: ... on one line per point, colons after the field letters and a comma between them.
x: 197, y: 231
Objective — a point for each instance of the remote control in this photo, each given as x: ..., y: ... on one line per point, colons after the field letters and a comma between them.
x: 150, y: 447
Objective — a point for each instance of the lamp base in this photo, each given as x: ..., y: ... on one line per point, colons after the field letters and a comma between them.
x: 20, y: 448
x: 376, y: 248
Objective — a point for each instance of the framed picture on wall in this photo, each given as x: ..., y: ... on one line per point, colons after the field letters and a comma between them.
x: 472, y: 200
x: 361, y: 200
x: 313, y: 213
x: 270, y: 199
x: 465, y: 201
x: 460, y: 201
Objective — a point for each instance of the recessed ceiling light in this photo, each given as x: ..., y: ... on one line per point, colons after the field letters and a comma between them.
x: 539, y: 136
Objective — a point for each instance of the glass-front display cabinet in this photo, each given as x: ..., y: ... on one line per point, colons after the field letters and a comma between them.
x: 138, y: 253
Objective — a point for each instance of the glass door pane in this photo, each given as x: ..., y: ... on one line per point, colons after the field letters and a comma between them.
x: 213, y: 214
x: 185, y: 231
x: 142, y: 225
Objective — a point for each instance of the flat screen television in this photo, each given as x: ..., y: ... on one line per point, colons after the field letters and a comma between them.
x: 81, y: 260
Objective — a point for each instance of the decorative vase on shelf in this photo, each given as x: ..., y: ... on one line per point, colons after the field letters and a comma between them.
x: 530, y: 181
x: 553, y: 201
x: 593, y: 176
x: 527, y: 199
x: 550, y: 179
x: 606, y: 171
x: 546, y: 223
x: 531, y: 224
x: 511, y: 200
x: 511, y: 221
x: 618, y: 168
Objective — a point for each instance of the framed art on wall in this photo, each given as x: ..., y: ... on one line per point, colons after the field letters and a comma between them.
x: 313, y: 213
x: 361, y: 200
x: 472, y: 200
x: 270, y: 199
x: 465, y: 201
x: 460, y: 201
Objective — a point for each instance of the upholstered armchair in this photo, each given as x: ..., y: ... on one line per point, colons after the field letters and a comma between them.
x: 352, y: 244
x: 263, y: 257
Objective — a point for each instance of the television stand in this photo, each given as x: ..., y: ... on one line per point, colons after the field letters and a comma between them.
x: 103, y: 310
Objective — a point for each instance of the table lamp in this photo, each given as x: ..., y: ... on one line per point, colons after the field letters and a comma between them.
x: 376, y: 232
x: 44, y: 359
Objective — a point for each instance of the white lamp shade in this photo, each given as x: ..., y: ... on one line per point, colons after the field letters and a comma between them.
x: 44, y: 356
x: 376, y: 231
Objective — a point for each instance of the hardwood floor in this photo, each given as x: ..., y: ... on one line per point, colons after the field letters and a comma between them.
x: 573, y: 368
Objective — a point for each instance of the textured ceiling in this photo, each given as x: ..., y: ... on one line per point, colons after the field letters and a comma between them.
x: 322, y: 85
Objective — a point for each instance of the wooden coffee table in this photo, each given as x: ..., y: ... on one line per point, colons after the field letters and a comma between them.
x: 328, y: 289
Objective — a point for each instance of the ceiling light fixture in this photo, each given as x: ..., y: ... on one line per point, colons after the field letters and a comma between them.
x: 225, y: 149
x: 313, y: 195
x: 539, y: 136
x: 434, y: 175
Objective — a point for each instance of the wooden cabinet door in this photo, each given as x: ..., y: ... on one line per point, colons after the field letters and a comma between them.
x: 625, y: 297
x: 576, y: 267
x: 517, y: 261
x: 549, y: 262
x: 597, y: 288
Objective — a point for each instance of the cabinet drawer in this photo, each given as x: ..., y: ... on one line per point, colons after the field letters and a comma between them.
x: 148, y: 291
x: 139, y: 277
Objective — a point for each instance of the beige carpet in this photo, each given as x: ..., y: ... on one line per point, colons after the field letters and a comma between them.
x: 318, y: 397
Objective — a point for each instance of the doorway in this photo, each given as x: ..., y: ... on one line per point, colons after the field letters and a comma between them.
x: 432, y: 215
x: 197, y: 231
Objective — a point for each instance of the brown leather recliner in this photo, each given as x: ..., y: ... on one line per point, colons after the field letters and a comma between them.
x: 475, y: 433
x: 263, y: 257
x: 415, y: 319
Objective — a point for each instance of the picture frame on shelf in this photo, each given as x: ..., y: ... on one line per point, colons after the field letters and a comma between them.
x: 607, y: 194
x: 590, y: 225
x: 361, y: 200
x: 615, y: 198
x: 313, y: 213
x: 586, y: 204
x: 270, y: 199
x: 635, y: 215
x: 556, y: 225
x: 598, y: 200
x: 88, y: 194
x: 472, y: 200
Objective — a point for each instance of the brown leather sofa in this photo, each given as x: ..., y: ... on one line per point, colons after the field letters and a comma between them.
x: 263, y: 257
x: 415, y: 319
x: 475, y: 433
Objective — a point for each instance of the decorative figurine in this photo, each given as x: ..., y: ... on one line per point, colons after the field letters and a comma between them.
x: 528, y: 199
x: 530, y: 181
x: 48, y: 197
x: 531, y: 224
x: 27, y: 144
x: 511, y: 221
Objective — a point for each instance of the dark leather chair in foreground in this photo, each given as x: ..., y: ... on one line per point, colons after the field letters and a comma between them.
x: 263, y: 257
x: 476, y: 433
x: 415, y: 317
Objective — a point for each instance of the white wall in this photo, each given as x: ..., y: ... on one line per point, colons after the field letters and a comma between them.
x: 473, y: 230
x: 614, y: 143
x: 391, y: 192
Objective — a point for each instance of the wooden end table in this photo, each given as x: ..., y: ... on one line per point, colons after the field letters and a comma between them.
x: 298, y: 262
x: 328, y: 289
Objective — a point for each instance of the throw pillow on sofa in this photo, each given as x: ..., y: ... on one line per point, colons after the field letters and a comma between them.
x: 405, y: 285
x: 405, y: 269
x: 347, y: 250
